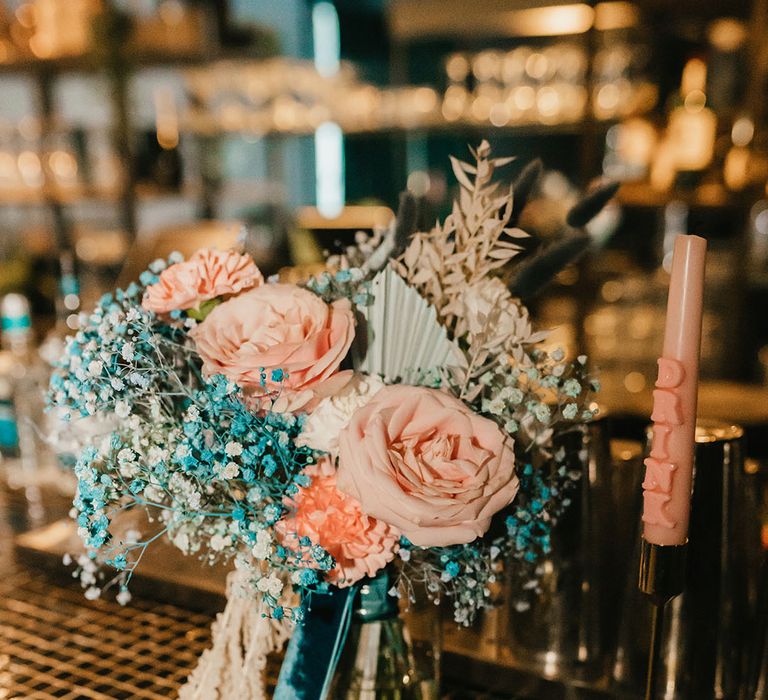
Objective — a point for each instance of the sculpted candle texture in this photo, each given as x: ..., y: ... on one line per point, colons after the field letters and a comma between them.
x: 669, y: 467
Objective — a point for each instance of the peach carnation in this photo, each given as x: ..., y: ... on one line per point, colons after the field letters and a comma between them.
x: 359, y: 544
x: 278, y: 327
x: 207, y: 274
x: 424, y: 462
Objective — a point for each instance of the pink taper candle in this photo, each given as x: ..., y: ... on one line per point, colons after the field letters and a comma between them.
x: 669, y: 468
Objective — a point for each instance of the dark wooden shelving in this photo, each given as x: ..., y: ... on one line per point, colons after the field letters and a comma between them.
x: 82, y: 195
x: 643, y: 195
x: 471, y: 129
x: 92, y: 63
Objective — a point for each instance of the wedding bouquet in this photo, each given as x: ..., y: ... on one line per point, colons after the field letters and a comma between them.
x: 397, y: 410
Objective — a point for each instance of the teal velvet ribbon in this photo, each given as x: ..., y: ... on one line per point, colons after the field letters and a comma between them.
x: 316, y: 645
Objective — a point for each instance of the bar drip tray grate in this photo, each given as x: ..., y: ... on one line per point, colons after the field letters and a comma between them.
x: 56, y: 644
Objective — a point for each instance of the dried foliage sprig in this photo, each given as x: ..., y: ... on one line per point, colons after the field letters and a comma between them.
x: 475, y: 240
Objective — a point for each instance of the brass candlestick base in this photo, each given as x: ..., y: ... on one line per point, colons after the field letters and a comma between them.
x: 662, y: 571
x: 662, y: 577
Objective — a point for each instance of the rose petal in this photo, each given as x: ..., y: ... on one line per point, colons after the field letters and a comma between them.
x: 278, y: 326
x: 424, y: 462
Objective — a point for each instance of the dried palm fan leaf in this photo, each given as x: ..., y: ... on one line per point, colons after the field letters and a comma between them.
x: 405, y: 339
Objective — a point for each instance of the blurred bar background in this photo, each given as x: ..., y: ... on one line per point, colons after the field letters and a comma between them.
x: 130, y: 128
x: 119, y: 120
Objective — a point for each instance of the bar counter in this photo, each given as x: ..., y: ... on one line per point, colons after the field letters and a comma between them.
x: 56, y: 644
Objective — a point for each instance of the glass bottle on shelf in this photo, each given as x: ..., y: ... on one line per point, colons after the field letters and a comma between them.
x: 10, y: 180
x: 380, y: 659
x: 9, y: 433
x: 69, y: 289
x: 29, y: 166
x: 16, y: 327
x: 692, y: 125
x: 25, y: 380
x: 67, y: 309
x: 61, y: 163
x: 104, y: 169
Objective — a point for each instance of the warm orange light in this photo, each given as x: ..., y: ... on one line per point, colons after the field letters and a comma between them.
x: 481, y: 108
x: 450, y: 18
x: 351, y: 217
x: 166, y: 119
x: 692, y: 135
x: 634, y: 382
x: 7, y: 165
x: 727, y: 34
x: 607, y: 99
x: 25, y: 15
x: 419, y: 183
x: 457, y: 67
x: 318, y: 114
x: 454, y: 102
x: 550, y: 21
x: 742, y: 131
x: 30, y: 168
x: 231, y: 116
x: 694, y: 76
x: 636, y: 142
x: 736, y: 168
x: 285, y: 113
x: 616, y: 15
x: 63, y: 165
x: 424, y: 99
x: 524, y: 97
x: 499, y: 114
x: 41, y: 45
x: 537, y: 65
x: 486, y: 65
x: 171, y: 13
x: 548, y: 102
x: 612, y: 291
x: 695, y: 101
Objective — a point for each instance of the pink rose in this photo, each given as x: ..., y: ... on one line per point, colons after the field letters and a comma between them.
x: 278, y: 326
x: 207, y: 274
x: 360, y: 544
x: 422, y: 461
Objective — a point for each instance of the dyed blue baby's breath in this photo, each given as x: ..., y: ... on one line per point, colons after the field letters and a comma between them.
x: 212, y: 473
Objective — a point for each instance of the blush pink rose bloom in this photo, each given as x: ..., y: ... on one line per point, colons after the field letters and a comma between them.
x: 278, y: 326
x: 422, y: 461
x: 360, y: 544
x: 207, y: 274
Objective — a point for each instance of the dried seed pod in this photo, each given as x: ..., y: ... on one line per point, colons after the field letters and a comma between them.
x: 540, y: 270
x: 591, y: 205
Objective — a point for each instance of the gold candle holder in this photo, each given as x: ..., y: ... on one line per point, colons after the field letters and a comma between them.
x: 662, y: 577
